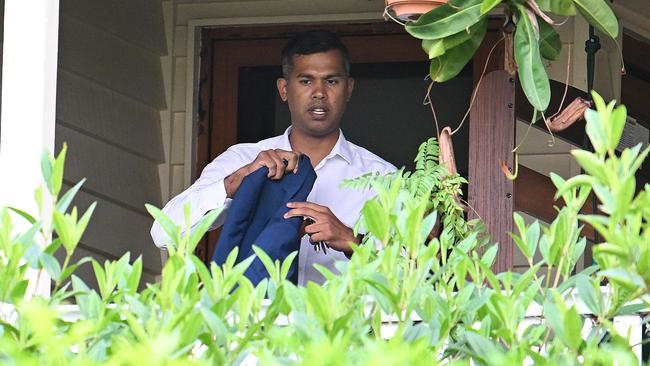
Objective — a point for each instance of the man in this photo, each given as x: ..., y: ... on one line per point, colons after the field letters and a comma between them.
x: 316, y: 84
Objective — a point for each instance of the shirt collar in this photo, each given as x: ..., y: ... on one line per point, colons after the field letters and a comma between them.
x: 341, y: 148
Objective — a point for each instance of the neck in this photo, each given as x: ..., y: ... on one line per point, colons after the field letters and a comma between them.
x: 317, y: 148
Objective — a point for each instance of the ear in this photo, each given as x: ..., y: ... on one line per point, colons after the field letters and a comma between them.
x: 281, y: 83
x: 350, y: 88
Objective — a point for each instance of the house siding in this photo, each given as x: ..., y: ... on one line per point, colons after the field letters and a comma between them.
x: 110, y: 95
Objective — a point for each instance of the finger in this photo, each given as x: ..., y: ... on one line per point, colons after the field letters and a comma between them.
x: 315, y: 228
x: 310, y: 206
x: 270, y: 165
x: 304, y: 212
x: 279, y: 165
x: 320, y: 236
x: 292, y: 159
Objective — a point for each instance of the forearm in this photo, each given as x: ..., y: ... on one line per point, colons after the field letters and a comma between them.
x: 233, y: 181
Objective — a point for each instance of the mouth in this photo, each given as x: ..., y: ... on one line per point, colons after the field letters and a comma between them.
x: 318, y: 112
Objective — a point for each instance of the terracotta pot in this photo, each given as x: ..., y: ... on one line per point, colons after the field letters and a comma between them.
x: 406, y: 10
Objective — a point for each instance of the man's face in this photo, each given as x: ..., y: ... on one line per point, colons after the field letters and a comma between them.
x: 317, y: 90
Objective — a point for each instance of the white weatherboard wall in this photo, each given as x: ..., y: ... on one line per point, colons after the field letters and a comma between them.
x: 110, y: 98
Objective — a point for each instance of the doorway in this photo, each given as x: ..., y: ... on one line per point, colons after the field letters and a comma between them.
x: 386, y: 115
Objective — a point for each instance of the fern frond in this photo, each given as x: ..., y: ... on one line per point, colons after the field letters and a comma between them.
x: 364, y: 182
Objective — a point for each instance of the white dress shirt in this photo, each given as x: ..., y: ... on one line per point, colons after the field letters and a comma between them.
x: 345, y: 161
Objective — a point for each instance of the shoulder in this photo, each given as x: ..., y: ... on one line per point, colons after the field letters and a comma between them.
x: 369, y: 161
x: 248, y: 150
x: 239, y: 155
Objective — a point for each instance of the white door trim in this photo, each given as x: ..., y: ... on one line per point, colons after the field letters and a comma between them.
x: 193, y: 48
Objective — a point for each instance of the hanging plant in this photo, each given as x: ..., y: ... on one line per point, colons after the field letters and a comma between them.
x: 451, y: 34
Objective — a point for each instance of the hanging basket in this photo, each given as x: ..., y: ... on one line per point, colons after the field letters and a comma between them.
x: 408, y: 10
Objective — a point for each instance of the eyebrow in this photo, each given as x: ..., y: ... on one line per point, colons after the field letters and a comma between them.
x: 337, y: 75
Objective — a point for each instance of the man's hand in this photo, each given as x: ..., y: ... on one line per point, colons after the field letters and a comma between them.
x: 326, y: 227
x: 277, y: 161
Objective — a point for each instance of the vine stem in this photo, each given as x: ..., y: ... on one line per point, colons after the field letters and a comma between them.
x: 478, y: 84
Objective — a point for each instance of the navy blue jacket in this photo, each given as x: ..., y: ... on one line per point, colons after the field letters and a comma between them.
x: 256, y: 217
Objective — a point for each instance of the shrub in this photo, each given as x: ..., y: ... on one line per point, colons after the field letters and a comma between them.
x: 403, y: 298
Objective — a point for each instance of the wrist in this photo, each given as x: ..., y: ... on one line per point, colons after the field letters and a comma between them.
x: 358, y: 239
x: 232, y: 182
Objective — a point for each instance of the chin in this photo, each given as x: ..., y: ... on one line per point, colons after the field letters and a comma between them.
x: 322, y: 132
x: 319, y: 128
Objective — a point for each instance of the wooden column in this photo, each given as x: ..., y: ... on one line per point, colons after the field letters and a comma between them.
x: 29, y: 63
x: 492, y: 138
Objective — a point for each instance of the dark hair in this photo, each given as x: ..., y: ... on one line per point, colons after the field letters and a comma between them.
x: 310, y: 42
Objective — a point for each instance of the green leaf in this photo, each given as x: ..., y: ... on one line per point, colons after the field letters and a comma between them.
x: 18, y: 292
x: 63, y: 203
x: 266, y: 260
x: 628, y: 279
x: 318, y: 300
x: 573, y: 327
x: 51, y: 265
x: 434, y: 47
x: 573, y: 182
x: 286, y: 264
x: 590, y: 163
x: 532, y: 73
x: 81, y: 227
x: 57, y: 171
x: 550, y: 44
x: 73, y: 267
x: 632, y: 309
x: 454, y: 60
x: 446, y: 20
x: 101, y: 278
x: 46, y: 168
x: 203, y: 226
x: 376, y: 219
x: 559, y: 7
x: 589, y: 294
x: 595, y: 131
x: 598, y: 14
x: 437, y: 47
x: 489, y: 255
x: 488, y: 5
x: 24, y: 214
x: 616, y: 125
x: 481, y: 346
x: 171, y: 229
x: 136, y: 273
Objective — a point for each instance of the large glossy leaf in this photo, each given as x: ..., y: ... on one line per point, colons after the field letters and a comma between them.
x: 437, y: 47
x: 550, y: 44
x: 598, y: 14
x: 446, y: 20
x: 559, y: 7
x: 452, y: 62
x: 532, y: 74
x: 488, y: 5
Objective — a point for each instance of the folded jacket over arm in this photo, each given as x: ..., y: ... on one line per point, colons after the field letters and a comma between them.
x: 256, y: 217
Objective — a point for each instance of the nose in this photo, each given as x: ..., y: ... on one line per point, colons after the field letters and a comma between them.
x: 319, y: 92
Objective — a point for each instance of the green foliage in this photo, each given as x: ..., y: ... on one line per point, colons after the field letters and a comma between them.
x: 532, y: 73
x: 452, y: 32
x: 405, y: 297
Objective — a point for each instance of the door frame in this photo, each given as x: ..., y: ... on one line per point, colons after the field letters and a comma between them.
x: 225, y: 51
x: 194, y: 28
x: 195, y: 94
